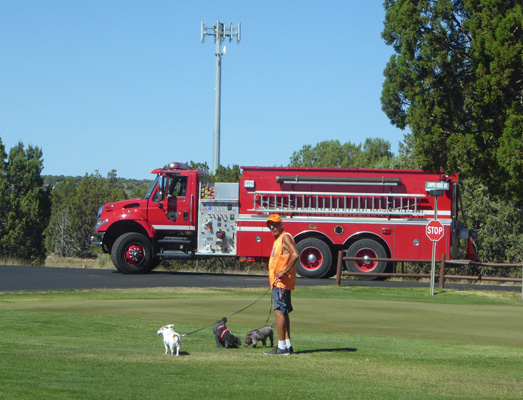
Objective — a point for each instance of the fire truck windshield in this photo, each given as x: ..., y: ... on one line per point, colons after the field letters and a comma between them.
x: 151, y: 188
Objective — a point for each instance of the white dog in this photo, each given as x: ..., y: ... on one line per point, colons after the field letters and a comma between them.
x: 171, y: 339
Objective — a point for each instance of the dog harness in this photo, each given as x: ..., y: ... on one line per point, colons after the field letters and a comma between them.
x: 224, y: 331
x: 259, y: 333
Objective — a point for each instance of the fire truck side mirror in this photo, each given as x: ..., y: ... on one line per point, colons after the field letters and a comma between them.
x: 160, y: 191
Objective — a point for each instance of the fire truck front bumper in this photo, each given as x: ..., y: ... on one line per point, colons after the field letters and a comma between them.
x: 97, y: 238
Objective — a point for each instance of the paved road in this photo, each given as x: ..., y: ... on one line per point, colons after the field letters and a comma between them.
x: 17, y: 279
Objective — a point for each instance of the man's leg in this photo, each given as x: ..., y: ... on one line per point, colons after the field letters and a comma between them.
x: 287, y: 326
x: 283, y: 331
x: 281, y: 323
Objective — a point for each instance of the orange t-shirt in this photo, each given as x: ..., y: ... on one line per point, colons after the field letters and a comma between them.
x: 278, y: 263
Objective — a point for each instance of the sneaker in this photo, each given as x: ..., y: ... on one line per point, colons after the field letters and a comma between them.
x: 277, y: 351
x: 291, y: 350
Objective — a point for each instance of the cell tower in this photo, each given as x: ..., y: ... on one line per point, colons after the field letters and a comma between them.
x: 220, y: 32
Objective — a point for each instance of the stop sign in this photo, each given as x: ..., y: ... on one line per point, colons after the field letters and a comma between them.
x: 434, y: 230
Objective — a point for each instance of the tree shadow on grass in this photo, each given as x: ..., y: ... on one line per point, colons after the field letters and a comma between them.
x: 341, y: 349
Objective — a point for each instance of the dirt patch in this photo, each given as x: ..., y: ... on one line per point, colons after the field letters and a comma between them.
x: 71, y: 262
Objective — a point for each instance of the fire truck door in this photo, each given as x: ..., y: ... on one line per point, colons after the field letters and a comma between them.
x: 173, y: 210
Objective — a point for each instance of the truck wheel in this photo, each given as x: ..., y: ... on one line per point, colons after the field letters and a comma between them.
x: 366, y: 248
x: 315, y: 258
x: 132, y: 254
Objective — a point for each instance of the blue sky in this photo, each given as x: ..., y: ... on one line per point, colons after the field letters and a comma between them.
x: 127, y: 85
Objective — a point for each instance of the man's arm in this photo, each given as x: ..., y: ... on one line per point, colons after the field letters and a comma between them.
x: 290, y: 247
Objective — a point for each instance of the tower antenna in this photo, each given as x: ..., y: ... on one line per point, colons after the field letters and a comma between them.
x: 220, y: 31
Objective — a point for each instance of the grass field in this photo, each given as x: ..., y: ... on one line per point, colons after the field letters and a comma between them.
x: 351, y: 343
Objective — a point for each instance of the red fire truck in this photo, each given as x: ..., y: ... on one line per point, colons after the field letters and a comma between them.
x: 367, y: 213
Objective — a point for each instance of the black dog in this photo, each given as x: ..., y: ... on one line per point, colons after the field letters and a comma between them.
x: 223, y: 336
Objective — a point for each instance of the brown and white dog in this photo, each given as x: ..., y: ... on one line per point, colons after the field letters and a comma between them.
x: 171, y: 339
x: 260, y: 335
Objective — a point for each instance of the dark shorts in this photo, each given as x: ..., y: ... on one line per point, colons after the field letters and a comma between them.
x: 282, y: 300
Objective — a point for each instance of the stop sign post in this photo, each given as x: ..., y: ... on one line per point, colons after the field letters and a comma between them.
x: 434, y: 230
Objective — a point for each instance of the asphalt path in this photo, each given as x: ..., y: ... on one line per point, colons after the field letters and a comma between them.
x: 43, y: 279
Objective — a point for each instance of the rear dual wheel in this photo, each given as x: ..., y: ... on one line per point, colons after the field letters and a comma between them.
x: 315, y: 258
x: 366, y: 249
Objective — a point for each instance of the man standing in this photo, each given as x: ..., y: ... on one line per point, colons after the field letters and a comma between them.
x: 282, y: 277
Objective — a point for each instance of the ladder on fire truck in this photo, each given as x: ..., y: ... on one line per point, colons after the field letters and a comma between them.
x: 369, y: 204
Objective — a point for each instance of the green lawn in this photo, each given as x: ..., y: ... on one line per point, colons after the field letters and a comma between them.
x: 351, y: 342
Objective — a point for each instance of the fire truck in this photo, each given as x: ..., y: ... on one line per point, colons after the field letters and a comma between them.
x: 366, y: 213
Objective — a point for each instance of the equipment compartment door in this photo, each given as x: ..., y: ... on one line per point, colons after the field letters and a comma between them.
x: 408, y: 242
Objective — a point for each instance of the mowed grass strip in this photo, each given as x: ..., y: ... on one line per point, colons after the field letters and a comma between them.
x: 349, y: 343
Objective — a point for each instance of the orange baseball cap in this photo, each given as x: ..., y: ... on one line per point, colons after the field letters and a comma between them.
x: 273, y: 218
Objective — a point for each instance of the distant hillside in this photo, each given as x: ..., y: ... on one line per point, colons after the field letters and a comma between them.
x: 132, y: 187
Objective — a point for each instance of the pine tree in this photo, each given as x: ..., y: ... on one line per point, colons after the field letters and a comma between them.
x: 456, y: 80
x: 227, y: 174
x: 74, y: 209
x: 3, y: 197
x: 60, y: 234
x: 374, y: 153
x: 26, y: 203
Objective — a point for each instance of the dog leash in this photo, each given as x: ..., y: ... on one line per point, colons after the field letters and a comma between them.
x: 237, y: 312
x: 270, y: 308
x: 268, y: 316
x: 254, y: 302
x: 270, y: 311
x: 267, y: 321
